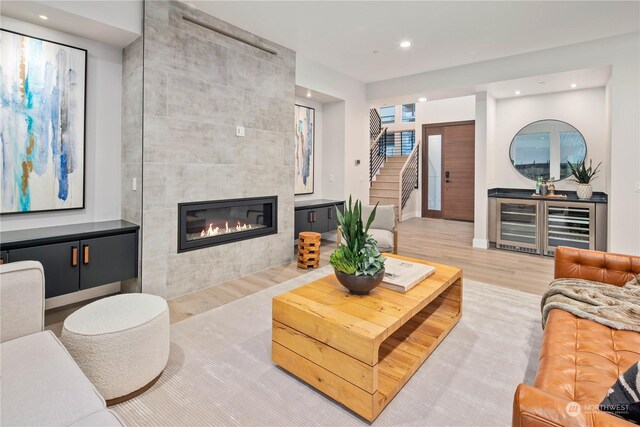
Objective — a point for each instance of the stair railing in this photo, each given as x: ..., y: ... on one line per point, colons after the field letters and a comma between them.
x: 377, y: 154
x: 375, y: 124
x: 408, y: 177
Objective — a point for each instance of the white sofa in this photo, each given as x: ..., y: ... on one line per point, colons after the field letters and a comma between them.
x: 41, y: 384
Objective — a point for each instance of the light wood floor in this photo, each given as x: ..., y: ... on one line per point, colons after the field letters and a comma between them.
x: 447, y: 242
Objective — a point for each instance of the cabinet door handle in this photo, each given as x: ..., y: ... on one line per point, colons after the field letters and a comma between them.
x: 330, y: 213
x: 74, y: 256
x: 85, y: 257
x: 315, y: 216
x: 310, y: 216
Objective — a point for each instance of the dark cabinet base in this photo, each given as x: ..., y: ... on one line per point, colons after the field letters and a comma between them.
x: 317, y: 215
x: 60, y: 275
x: 78, y: 256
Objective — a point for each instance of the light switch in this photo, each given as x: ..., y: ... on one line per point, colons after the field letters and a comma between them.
x: 331, y: 178
x: 240, y: 131
x: 134, y: 184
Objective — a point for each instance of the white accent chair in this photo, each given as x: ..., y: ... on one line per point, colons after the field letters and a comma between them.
x: 41, y: 383
x: 384, y: 227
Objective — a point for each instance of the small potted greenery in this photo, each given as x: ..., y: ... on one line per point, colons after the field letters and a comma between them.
x: 358, y: 265
x: 583, y: 176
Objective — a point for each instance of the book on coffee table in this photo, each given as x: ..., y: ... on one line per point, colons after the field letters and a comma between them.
x: 401, y: 275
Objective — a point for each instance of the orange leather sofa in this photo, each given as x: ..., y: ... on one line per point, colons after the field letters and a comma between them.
x: 579, y: 359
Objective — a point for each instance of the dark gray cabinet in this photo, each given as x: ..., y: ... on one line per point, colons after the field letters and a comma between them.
x: 78, y: 256
x: 317, y: 215
x: 108, y: 259
x: 61, y: 274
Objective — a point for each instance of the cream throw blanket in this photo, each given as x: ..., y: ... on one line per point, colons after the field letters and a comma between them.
x: 613, y: 306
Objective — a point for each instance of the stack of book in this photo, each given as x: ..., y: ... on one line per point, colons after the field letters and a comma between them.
x: 400, y: 275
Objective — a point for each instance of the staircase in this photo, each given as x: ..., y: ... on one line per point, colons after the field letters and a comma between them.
x: 393, y: 177
x: 386, y: 188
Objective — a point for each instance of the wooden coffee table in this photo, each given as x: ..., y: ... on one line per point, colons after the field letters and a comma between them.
x: 361, y: 350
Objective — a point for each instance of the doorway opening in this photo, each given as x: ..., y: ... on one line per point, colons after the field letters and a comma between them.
x: 448, y: 170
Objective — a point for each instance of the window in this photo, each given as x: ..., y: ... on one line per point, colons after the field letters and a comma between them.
x: 387, y: 114
x: 408, y: 113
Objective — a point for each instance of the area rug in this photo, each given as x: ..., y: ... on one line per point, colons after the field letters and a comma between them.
x: 220, y: 371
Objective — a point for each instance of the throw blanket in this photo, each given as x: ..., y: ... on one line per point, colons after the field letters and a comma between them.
x: 613, y: 306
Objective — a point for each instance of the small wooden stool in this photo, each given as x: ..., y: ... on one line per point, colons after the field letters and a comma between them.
x: 308, y: 250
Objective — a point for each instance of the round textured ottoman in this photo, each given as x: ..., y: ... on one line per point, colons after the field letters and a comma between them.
x: 121, y: 343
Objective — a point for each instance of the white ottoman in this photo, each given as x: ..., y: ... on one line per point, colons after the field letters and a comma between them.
x: 121, y: 343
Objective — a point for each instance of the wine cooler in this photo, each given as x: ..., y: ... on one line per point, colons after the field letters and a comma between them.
x: 568, y: 224
x: 540, y: 226
x: 518, y: 225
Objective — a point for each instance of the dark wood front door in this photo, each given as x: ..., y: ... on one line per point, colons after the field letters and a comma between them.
x: 448, y: 170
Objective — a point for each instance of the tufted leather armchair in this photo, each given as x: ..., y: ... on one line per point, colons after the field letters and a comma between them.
x: 579, y: 359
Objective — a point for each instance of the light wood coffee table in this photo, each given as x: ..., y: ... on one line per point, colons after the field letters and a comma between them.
x: 361, y: 350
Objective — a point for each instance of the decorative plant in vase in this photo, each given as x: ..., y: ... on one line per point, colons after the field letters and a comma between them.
x: 358, y: 264
x: 583, y: 176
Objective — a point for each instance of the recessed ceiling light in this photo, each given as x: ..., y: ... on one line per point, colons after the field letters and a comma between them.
x: 423, y: 99
x: 517, y: 92
x: 405, y: 43
x: 308, y: 93
x: 573, y: 85
x: 43, y: 17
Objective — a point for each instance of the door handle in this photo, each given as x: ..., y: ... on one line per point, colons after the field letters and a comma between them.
x: 85, y: 257
x: 446, y: 174
x: 74, y: 256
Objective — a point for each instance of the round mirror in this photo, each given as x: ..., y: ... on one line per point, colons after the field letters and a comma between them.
x: 545, y: 148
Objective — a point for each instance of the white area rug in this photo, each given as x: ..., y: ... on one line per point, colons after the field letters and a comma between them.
x: 220, y: 370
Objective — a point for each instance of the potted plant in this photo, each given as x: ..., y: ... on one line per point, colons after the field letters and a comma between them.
x: 583, y: 176
x: 358, y: 265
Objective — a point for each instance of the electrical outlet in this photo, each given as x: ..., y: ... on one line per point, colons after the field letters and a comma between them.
x: 331, y: 178
x: 240, y: 131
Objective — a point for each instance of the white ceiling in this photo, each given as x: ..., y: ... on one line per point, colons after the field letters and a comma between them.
x: 559, y: 82
x: 322, y: 98
x: 344, y: 34
x: 116, y: 23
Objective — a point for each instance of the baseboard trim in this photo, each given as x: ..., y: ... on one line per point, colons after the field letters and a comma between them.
x: 480, y: 243
x: 83, y: 295
x: 409, y: 215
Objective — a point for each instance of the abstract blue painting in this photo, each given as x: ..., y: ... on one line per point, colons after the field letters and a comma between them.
x: 304, y: 128
x: 42, y: 127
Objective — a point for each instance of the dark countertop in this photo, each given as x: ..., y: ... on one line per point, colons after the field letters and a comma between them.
x: 47, y: 235
x: 318, y: 203
x: 518, y: 193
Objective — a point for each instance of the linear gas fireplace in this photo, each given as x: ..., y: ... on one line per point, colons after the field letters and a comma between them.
x: 202, y: 224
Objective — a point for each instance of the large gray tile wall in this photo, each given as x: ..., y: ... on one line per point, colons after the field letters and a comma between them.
x: 131, y: 208
x: 198, y: 86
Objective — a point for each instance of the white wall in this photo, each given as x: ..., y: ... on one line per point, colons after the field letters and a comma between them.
x: 318, y: 175
x: 583, y: 109
x: 333, y: 163
x: 102, y: 143
x: 355, y: 111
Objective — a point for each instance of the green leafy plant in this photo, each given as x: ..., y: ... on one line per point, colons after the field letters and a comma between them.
x: 582, y: 174
x: 359, y: 255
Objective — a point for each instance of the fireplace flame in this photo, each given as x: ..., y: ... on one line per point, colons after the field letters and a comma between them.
x: 211, y: 231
